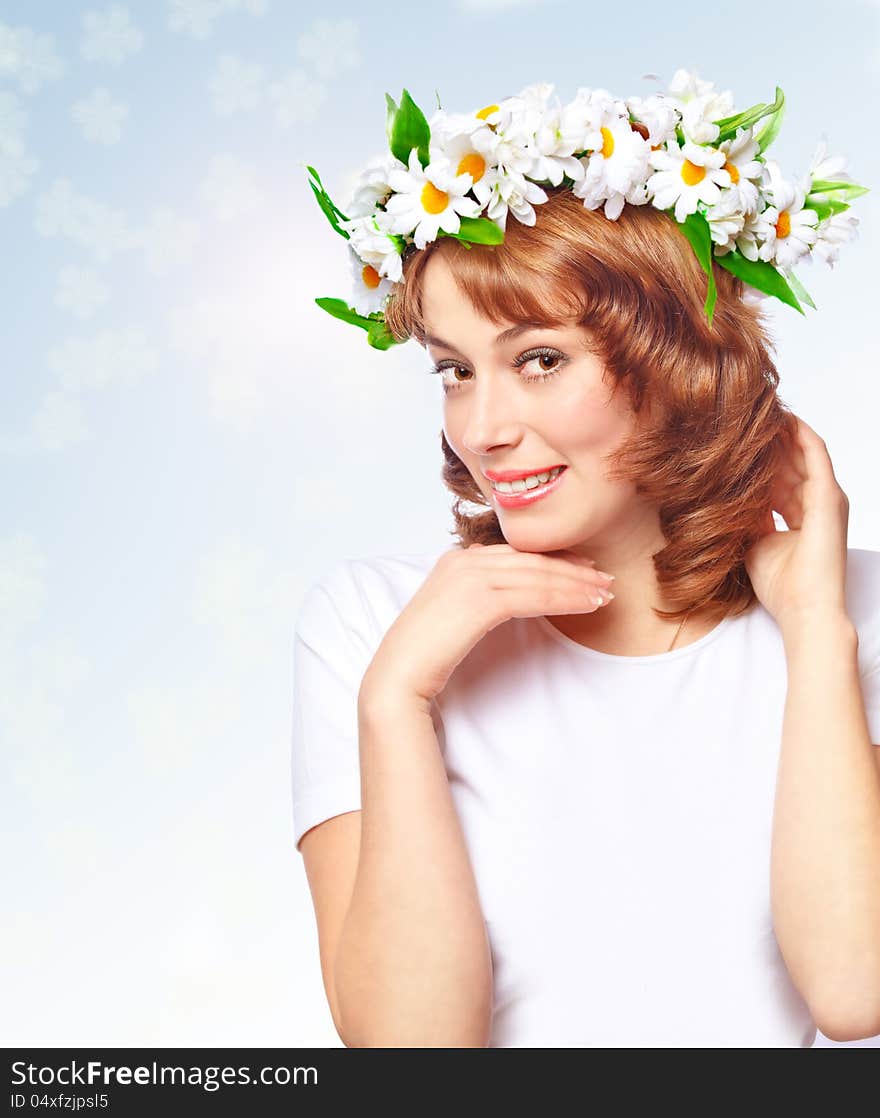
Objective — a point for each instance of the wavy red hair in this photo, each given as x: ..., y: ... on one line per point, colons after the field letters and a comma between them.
x: 711, y: 425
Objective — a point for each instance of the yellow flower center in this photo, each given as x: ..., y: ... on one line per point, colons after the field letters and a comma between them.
x: 473, y: 165
x: 732, y: 170
x: 434, y: 201
x: 370, y: 276
x: 489, y: 109
x: 607, y: 143
x: 783, y: 224
x: 692, y: 173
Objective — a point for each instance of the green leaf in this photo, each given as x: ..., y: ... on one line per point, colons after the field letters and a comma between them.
x: 799, y: 289
x: 407, y: 128
x: 378, y: 334
x: 479, y: 230
x: 761, y: 275
x: 847, y: 190
x: 313, y: 172
x: 340, y: 309
x: 728, y: 125
x: 399, y: 242
x: 826, y: 209
x: 769, y: 132
x: 330, y: 209
x: 696, y: 228
x: 390, y: 114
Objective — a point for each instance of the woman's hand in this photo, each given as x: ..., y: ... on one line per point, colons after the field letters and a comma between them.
x: 468, y: 592
x: 796, y: 572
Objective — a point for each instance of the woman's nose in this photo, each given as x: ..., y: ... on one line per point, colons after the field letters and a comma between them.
x: 491, y: 417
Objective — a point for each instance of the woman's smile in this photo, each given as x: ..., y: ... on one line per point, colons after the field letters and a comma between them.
x: 526, y: 496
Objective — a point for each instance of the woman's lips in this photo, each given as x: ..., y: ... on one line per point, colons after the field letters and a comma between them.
x: 528, y: 496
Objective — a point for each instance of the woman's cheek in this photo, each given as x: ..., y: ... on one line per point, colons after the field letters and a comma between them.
x: 590, y: 420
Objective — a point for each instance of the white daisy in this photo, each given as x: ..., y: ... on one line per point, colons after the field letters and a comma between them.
x: 510, y: 151
x: 686, y: 176
x: 831, y: 234
x: 442, y: 123
x: 699, y: 105
x: 515, y: 123
x: 529, y: 108
x: 657, y: 114
x: 557, y: 137
x: 726, y: 221
x: 428, y: 199
x: 514, y: 193
x: 372, y: 187
x: 617, y: 166
x: 754, y: 232
x: 369, y: 240
x: 824, y: 167
x: 470, y: 146
x: 577, y: 118
x: 369, y: 290
x: 791, y: 228
x: 742, y: 166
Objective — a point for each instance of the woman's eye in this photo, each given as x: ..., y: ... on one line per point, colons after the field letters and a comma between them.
x: 541, y: 360
x: 547, y: 364
x: 443, y: 370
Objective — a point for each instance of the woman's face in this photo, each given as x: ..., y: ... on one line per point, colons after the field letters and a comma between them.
x: 499, y: 416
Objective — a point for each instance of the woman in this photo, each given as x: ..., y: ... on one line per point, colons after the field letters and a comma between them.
x: 534, y: 812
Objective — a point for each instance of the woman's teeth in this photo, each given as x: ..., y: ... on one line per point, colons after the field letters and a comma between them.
x: 531, y: 482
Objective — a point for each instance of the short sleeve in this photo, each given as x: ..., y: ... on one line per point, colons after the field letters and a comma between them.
x: 334, y: 642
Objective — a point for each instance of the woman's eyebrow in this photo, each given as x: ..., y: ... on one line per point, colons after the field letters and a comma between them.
x: 504, y: 336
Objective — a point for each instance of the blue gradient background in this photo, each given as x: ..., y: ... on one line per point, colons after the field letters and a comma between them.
x: 188, y: 441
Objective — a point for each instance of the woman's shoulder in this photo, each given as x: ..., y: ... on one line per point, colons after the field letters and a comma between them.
x: 400, y: 566
x: 373, y: 586
x: 396, y: 573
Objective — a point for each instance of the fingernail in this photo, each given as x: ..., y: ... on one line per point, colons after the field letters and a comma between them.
x: 603, y: 574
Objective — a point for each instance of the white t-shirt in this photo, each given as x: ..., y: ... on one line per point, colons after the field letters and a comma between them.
x: 617, y: 809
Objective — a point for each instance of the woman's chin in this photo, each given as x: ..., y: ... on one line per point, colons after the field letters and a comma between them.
x: 536, y: 541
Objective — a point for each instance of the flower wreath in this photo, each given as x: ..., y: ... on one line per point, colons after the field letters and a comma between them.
x: 685, y: 151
